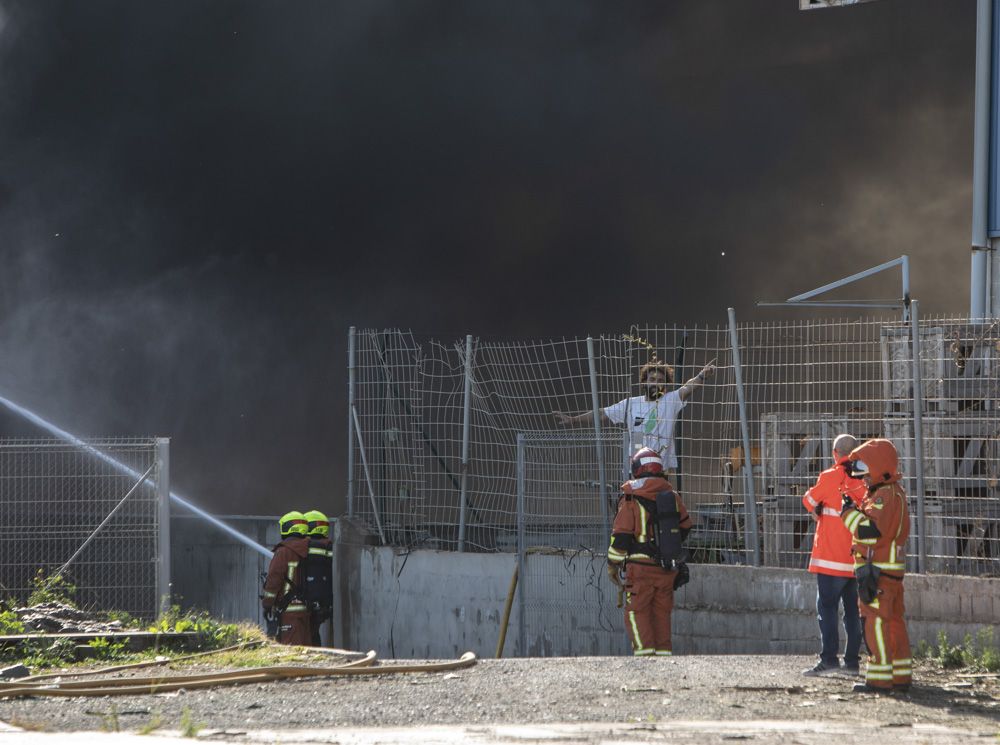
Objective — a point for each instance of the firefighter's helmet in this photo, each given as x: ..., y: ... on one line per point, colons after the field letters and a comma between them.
x: 646, y: 462
x: 319, y: 525
x: 293, y: 523
x: 876, y: 459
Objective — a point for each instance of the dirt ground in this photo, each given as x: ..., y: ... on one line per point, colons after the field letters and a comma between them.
x: 647, y: 699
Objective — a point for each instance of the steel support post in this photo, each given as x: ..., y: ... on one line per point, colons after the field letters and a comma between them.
x: 351, y: 353
x: 466, y: 425
x: 750, y: 527
x: 596, y: 409
x: 918, y: 437
x: 979, y: 288
x: 521, y: 548
x: 368, y: 476
x: 162, y: 457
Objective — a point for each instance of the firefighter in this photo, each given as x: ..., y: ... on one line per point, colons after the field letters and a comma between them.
x: 879, y: 527
x: 646, y: 542
x: 833, y: 563
x: 319, y: 573
x: 283, y: 598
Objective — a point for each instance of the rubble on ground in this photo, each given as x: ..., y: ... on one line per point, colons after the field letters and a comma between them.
x: 59, y: 618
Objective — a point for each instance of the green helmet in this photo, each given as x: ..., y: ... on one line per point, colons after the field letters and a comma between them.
x: 318, y: 523
x: 293, y: 523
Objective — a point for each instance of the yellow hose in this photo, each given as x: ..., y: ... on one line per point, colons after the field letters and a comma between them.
x: 143, y: 686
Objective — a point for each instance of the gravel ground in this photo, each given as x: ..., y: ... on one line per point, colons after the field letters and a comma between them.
x: 519, y: 691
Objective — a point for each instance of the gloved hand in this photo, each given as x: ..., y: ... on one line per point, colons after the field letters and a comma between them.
x: 818, y: 511
x: 683, y: 576
x: 613, y: 574
x: 847, y: 504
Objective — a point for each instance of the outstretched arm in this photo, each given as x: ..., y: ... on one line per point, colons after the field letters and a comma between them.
x: 685, y: 390
x: 579, y: 420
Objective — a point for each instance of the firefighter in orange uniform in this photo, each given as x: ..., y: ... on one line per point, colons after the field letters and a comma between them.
x: 646, y: 541
x: 832, y: 562
x: 282, y: 599
x: 880, y: 527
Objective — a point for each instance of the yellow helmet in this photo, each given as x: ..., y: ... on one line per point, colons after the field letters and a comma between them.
x: 293, y: 523
x: 318, y: 523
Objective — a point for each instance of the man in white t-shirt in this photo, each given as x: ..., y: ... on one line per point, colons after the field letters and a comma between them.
x: 649, y: 418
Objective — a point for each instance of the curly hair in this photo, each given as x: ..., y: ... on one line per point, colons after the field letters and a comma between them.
x: 661, y: 367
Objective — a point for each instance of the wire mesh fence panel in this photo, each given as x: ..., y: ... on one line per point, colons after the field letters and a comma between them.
x: 960, y: 448
x: 54, y: 496
x: 569, y: 606
x: 440, y: 424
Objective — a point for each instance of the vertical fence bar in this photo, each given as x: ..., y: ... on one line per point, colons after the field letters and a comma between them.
x: 595, y: 407
x: 750, y: 500
x: 918, y: 437
x: 466, y: 424
x: 162, y: 456
x: 351, y: 352
x: 521, y: 548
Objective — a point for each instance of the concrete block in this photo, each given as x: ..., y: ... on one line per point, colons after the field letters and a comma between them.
x: 913, y: 602
x: 683, y: 623
x: 983, y: 608
x: 942, y: 605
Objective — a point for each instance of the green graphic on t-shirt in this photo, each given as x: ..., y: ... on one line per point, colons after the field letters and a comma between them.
x: 650, y: 423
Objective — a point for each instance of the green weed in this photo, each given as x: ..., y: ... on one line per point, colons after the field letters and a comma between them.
x: 105, y: 649
x: 51, y: 589
x: 189, y: 728
x: 154, y: 723
x: 979, y: 652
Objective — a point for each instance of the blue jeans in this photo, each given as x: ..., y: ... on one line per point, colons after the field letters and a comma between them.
x: 830, y: 591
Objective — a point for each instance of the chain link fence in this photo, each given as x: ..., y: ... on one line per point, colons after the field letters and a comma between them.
x: 434, y: 432
x: 83, y: 511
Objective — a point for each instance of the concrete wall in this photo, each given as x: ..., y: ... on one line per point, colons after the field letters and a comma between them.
x: 212, y: 571
x: 431, y: 604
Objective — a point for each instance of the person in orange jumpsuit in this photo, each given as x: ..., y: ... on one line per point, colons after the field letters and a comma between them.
x: 649, y: 586
x: 832, y: 562
x: 879, y: 527
x: 282, y: 598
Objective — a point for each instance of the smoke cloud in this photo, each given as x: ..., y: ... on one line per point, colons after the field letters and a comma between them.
x: 197, y: 199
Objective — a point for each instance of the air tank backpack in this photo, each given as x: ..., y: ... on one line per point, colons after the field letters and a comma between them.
x: 317, y: 577
x: 666, y: 539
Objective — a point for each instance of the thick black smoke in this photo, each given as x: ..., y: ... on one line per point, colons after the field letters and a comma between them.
x: 197, y: 199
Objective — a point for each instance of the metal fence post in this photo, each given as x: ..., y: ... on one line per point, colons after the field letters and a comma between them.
x: 595, y: 407
x: 918, y: 437
x: 162, y: 456
x: 351, y: 352
x: 466, y: 425
x: 750, y: 500
x: 521, y: 548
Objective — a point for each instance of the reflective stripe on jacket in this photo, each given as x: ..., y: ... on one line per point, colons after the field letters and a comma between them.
x: 831, y: 551
x: 633, y: 524
x: 282, y: 573
x: 880, y: 527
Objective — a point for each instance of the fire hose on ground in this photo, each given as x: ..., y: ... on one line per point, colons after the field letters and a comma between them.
x: 53, y: 685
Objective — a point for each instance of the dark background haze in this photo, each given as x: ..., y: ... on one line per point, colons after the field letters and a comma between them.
x: 197, y: 199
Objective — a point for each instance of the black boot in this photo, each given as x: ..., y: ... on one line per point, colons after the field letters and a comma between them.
x: 865, y: 688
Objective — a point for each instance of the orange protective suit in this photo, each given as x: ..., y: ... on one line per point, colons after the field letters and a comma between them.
x: 880, y: 527
x: 831, y: 551
x: 649, y: 589
x: 282, y: 591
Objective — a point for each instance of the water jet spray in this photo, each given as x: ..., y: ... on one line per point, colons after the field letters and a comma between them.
x: 122, y: 468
